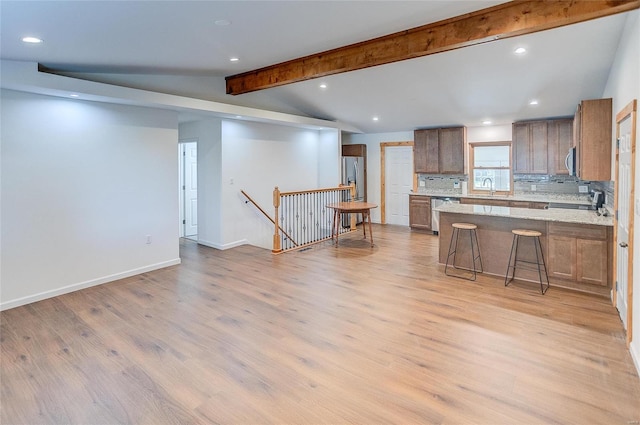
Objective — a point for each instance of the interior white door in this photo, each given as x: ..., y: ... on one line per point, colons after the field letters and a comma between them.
x: 190, y: 155
x: 624, y: 207
x: 398, y: 183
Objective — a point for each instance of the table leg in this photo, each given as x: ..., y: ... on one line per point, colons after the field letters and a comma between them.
x: 370, y: 231
x: 336, y: 222
x: 364, y: 224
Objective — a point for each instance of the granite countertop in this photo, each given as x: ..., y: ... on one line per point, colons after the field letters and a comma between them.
x: 558, y: 215
x: 542, y: 197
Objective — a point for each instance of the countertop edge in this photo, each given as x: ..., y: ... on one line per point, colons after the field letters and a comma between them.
x: 559, y: 216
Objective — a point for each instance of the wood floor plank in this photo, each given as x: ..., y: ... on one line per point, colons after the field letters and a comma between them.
x: 352, y: 334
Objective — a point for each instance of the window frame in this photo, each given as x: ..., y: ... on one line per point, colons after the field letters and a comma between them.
x: 471, y: 187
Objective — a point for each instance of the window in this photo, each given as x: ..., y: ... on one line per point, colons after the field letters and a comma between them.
x: 490, y: 165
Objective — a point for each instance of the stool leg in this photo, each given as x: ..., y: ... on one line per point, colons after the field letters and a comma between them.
x: 479, y: 257
x: 473, y: 254
x: 539, y: 246
x: 454, y: 234
x: 514, y: 247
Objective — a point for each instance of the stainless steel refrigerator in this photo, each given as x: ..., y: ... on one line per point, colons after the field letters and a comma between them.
x: 354, y: 171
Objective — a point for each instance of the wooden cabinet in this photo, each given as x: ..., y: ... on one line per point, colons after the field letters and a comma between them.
x: 420, y: 212
x: 529, y: 147
x: 559, y: 141
x: 592, y: 136
x: 439, y: 150
x: 540, y: 147
x: 580, y: 253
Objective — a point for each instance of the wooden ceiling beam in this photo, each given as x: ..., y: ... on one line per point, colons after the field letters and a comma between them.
x: 502, y: 21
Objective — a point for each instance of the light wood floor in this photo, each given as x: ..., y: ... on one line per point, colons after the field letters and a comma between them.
x: 327, y: 335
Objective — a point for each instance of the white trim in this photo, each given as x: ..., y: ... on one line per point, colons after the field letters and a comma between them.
x: 634, y: 349
x: 87, y: 284
x: 223, y: 246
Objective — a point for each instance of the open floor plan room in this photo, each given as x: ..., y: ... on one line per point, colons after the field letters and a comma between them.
x: 352, y: 334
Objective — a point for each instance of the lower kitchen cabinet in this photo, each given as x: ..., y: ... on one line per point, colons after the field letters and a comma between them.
x: 579, y: 253
x: 420, y: 212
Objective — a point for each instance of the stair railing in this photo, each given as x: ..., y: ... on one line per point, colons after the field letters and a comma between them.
x: 250, y: 199
x: 303, y: 215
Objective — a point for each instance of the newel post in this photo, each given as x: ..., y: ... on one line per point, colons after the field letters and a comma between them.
x: 276, y: 234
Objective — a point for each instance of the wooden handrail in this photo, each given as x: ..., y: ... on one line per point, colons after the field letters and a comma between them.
x: 267, y: 215
x: 328, y: 189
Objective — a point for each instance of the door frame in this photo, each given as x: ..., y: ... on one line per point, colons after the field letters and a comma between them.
x: 383, y: 185
x: 181, y: 181
x: 628, y: 111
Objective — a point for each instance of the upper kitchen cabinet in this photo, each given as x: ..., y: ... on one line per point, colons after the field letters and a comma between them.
x: 439, y: 150
x: 559, y: 142
x: 592, y: 135
x: 530, y: 147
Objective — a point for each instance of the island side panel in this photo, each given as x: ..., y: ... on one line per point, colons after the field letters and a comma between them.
x: 494, y: 238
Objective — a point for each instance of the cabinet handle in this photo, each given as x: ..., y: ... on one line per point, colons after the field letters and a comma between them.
x: 623, y: 245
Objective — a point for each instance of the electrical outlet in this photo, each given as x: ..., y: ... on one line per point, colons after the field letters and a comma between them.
x: 148, y: 239
x: 583, y: 189
x: 534, y: 188
x: 422, y: 183
x: 456, y: 184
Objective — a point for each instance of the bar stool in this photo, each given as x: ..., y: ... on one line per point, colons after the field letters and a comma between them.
x: 453, y: 249
x: 539, y: 263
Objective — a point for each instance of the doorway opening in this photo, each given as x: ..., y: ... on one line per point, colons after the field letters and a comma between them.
x: 188, y: 172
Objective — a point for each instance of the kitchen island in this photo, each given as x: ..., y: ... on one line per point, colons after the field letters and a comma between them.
x: 577, y: 244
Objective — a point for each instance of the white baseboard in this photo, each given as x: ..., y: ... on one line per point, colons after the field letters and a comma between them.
x: 223, y: 246
x: 634, y: 349
x: 82, y: 285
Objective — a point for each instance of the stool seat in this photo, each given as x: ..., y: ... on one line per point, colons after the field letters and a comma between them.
x: 525, y: 232
x: 464, y: 226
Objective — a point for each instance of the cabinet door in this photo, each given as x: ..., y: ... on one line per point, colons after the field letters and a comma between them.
x: 559, y: 140
x: 592, y: 261
x: 420, y: 212
x: 561, y: 257
x: 425, y: 151
x: 538, y: 147
x: 451, y: 150
x: 520, y: 146
x: 596, y: 142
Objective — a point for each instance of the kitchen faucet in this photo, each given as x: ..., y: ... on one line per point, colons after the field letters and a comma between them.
x: 491, y: 187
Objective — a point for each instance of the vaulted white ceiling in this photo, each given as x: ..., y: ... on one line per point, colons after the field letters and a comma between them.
x: 177, y: 47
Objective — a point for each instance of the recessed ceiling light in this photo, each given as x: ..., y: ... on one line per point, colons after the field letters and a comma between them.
x: 32, y: 40
x: 238, y: 116
x: 323, y: 86
x: 74, y: 95
x: 376, y: 118
x: 533, y: 102
x: 487, y: 122
x: 222, y: 22
x: 520, y: 51
x: 234, y: 59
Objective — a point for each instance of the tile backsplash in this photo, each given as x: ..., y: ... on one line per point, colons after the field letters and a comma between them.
x: 523, y: 184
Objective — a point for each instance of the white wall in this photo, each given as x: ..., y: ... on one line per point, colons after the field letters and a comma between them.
x: 235, y: 155
x: 490, y: 133
x: 623, y: 86
x: 373, y: 161
x: 257, y: 158
x: 82, y: 184
x: 329, y: 158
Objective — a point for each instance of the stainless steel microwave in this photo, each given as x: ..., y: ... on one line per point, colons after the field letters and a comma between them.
x: 570, y: 161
